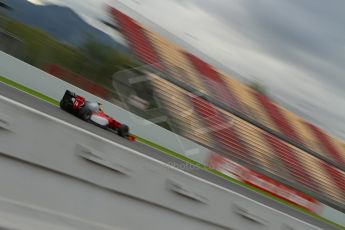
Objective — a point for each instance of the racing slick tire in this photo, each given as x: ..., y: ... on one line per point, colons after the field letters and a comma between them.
x: 66, y: 105
x: 123, y: 131
x: 85, y: 114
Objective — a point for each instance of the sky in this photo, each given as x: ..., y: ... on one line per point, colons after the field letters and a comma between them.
x: 295, y: 48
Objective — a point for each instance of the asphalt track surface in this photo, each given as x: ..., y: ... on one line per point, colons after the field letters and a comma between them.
x: 54, y: 111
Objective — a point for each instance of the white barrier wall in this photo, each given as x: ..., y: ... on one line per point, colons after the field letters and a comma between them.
x: 53, y: 87
x: 74, y: 179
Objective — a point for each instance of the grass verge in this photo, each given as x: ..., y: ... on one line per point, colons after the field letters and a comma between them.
x: 27, y: 90
x: 179, y: 156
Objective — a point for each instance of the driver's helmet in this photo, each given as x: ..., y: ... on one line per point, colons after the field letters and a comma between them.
x: 100, y: 107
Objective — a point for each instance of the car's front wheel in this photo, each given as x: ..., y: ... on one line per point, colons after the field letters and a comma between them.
x: 123, y: 131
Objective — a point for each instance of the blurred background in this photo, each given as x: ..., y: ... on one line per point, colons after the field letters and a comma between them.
x: 260, y: 84
x: 290, y: 49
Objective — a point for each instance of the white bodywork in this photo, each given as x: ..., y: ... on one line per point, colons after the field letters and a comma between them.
x: 99, y: 120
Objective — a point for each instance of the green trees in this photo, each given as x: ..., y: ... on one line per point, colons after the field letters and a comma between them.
x: 102, y: 60
x: 93, y: 60
x: 39, y: 48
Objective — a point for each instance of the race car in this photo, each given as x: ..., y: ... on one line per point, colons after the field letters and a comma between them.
x: 92, y: 112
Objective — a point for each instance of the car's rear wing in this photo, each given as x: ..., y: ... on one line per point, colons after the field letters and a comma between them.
x: 68, y: 95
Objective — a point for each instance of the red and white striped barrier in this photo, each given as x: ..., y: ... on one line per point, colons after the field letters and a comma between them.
x: 236, y: 171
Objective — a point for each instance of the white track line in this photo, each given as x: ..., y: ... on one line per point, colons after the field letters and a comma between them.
x: 145, y: 156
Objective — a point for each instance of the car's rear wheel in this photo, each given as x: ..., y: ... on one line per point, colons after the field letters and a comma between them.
x: 123, y: 131
x: 66, y: 105
x: 85, y: 114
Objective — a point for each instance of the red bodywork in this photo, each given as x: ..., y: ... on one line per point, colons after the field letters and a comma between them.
x: 79, y: 102
x: 112, y: 123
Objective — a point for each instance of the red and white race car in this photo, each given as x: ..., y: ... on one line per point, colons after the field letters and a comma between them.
x: 93, y: 113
